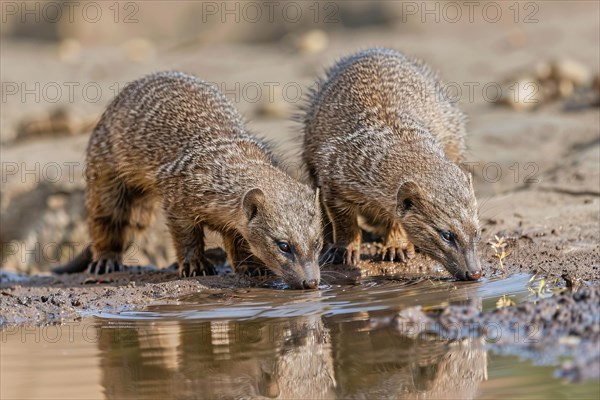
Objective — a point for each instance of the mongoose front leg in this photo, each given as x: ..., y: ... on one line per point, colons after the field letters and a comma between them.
x: 397, y: 247
x: 346, y: 235
x: 189, y: 245
x: 240, y: 257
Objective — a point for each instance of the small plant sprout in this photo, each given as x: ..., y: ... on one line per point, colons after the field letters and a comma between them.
x: 541, y: 288
x: 505, y: 302
x: 499, y: 245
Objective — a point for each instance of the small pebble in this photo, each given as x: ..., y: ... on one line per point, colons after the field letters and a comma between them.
x: 565, y: 88
x: 56, y: 201
x: 522, y: 94
x: 139, y: 50
x: 313, y: 41
x: 571, y: 70
x: 69, y: 51
x: 543, y: 70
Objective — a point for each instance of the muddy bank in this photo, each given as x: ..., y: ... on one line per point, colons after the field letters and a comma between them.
x: 53, y: 299
x: 56, y: 299
x: 551, y: 329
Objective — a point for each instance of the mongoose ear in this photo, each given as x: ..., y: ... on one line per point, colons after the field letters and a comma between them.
x: 409, y: 193
x: 253, y: 199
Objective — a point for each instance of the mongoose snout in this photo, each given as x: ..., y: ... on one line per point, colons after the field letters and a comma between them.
x: 450, y: 238
x: 383, y: 142
x: 288, y: 242
x: 173, y: 139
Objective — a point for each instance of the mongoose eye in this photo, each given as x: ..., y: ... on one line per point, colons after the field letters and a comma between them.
x: 284, y: 247
x: 448, y: 236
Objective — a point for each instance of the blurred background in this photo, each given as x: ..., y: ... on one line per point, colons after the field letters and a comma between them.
x: 526, y: 73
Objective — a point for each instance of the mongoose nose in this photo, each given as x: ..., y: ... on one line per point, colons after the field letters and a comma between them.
x: 473, y: 276
x: 311, y: 284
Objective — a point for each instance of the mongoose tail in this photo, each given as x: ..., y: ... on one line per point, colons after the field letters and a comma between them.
x: 382, y: 142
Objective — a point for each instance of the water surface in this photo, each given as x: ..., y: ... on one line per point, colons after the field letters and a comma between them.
x: 265, y: 343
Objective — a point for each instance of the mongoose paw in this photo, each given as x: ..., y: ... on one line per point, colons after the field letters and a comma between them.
x: 105, y: 266
x: 201, y: 267
x: 397, y: 247
x: 399, y: 252
x: 343, y: 255
x: 260, y: 272
x: 251, y: 266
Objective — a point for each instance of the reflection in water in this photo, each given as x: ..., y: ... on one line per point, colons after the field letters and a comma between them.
x: 299, y: 358
x: 381, y: 364
x: 273, y: 344
x: 220, y: 359
x: 279, y: 344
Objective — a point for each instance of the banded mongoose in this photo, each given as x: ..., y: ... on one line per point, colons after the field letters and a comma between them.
x: 174, y: 138
x: 382, y: 142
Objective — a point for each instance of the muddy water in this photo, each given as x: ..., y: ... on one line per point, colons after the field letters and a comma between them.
x: 264, y: 343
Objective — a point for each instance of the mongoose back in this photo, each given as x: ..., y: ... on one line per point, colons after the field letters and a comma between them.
x: 174, y: 138
x: 382, y: 142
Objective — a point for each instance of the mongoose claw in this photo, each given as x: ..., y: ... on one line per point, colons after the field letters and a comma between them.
x: 105, y: 266
x: 260, y: 272
x: 343, y: 255
x: 397, y: 247
x: 352, y: 257
x: 400, y: 252
x: 197, y: 268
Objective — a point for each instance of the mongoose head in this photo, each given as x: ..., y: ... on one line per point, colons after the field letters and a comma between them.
x: 284, y: 231
x: 441, y: 220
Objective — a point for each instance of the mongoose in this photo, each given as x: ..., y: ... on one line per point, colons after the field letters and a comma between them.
x: 174, y: 138
x: 383, y: 143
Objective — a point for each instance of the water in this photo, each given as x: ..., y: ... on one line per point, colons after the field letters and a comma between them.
x: 261, y: 343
